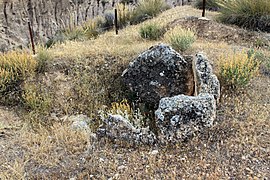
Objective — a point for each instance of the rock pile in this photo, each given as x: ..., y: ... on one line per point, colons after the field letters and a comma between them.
x: 183, y: 90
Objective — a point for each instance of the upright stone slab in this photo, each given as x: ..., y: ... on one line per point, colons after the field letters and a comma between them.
x: 206, y: 81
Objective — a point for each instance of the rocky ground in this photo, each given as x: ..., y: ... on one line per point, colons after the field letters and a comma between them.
x: 236, y: 147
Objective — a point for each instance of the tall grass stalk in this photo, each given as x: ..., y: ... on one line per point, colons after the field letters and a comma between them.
x: 246, y: 13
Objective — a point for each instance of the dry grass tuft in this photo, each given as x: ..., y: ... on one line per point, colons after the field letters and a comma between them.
x: 180, y: 39
x: 237, y: 69
x: 15, y: 66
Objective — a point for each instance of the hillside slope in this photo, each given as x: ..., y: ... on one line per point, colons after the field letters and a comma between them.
x: 83, y: 78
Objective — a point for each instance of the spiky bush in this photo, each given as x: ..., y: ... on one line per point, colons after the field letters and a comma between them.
x: 246, y: 13
x: 180, y: 39
x: 74, y: 34
x: 237, y: 69
x: 147, y: 9
x: 151, y: 31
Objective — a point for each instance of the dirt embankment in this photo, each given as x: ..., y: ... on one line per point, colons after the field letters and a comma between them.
x: 46, y: 17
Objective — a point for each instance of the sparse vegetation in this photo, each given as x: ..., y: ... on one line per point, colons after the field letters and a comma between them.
x: 151, y: 31
x: 246, y: 13
x: 237, y: 69
x: 35, y: 98
x: 261, y: 57
x: 180, y: 39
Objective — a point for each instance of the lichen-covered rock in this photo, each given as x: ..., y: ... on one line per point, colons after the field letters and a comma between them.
x: 205, y: 80
x: 116, y: 127
x: 178, y: 117
x: 159, y: 72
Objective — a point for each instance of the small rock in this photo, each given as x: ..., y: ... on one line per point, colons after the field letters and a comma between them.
x: 79, y: 125
x: 119, y: 128
x: 154, y: 152
x: 80, y: 117
x: 121, y: 167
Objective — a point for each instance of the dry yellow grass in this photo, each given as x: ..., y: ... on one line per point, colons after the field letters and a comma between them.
x: 127, y: 44
x: 15, y: 66
x: 80, y: 74
x: 238, y: 68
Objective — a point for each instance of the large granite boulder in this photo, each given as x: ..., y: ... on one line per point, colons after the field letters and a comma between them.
x: 159, y: 72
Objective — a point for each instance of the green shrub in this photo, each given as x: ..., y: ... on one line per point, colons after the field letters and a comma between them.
x: 237, y: 69
x: 58, y: 37
x: 246, y: 13
x: 108, y: 20
x: 180, y: 39
x: 147, y: 9
x: 210, y: 5
x: 151, y: 31
x: 91, y: 30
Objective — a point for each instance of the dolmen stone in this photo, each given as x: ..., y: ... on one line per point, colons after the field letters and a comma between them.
x: 183, y: 90
x: 159, y: 72
x: 179, y: 117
